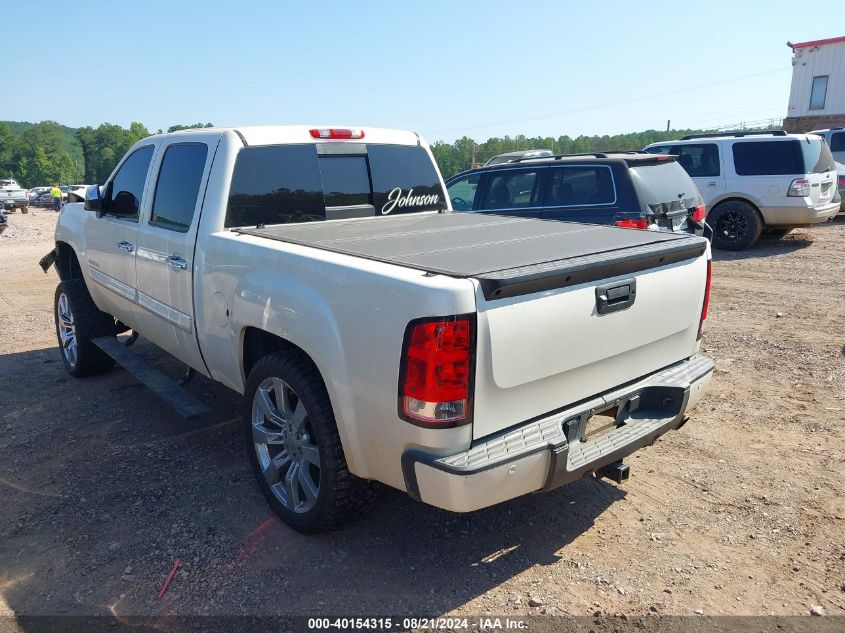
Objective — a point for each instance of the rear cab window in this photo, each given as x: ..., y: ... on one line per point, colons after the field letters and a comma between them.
x: 279, y: 184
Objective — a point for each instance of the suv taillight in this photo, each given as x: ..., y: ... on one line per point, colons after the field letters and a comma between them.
x: 800, y: 188
x: 642, y: 223
x: 706, y: 298
x: 842, y: 181
x: 438, y: 362
x: 698, y: 214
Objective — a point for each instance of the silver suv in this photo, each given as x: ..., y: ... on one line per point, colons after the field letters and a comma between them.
x: 756, y: 181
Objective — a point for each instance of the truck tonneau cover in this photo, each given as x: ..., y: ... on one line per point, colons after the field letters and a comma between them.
x: 508, y: 256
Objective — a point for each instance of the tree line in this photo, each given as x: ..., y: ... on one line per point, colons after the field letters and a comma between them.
x: 47, y: 152
x: 37, y: 154
x: 465, y: 153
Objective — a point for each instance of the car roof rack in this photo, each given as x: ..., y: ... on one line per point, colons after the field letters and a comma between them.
x: 689, y: 137
x: 604, y: 154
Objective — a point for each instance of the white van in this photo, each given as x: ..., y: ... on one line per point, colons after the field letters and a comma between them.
x: 755, y: 181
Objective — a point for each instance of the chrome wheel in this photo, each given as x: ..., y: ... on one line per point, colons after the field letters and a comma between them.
x: 67, y: 330
x: 283, y: 441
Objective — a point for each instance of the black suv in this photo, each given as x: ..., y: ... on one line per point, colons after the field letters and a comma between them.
x: 630, y: 189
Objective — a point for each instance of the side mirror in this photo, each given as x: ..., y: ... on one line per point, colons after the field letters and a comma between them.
x: 93, y: 201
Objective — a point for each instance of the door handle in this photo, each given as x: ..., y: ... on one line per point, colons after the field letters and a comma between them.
x: 178, y: 263
x: 616, y: 296
x: 126, y: 246
x: 711, y: 184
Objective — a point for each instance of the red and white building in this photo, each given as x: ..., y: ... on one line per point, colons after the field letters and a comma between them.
x: 817, y: 96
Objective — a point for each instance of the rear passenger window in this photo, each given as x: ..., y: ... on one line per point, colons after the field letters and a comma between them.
x: 837, y: 142
x: 768, y: 158
x: 575, y: 185
x: 275, y: 185
x: 512, y: 189
x: 698, y: 160
x: 178, y: 186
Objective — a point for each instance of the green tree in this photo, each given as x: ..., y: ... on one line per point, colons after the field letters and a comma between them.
x: 176, y: 128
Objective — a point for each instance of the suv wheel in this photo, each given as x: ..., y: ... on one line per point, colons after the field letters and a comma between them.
x: 78, y: 321
x: 295, y: 449
x: 736, y: 225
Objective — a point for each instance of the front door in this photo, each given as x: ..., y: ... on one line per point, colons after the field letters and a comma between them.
x: 165, y: 256
x: 111, y: 238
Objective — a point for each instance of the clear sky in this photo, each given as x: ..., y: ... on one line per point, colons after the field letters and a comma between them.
x: 445, y: 69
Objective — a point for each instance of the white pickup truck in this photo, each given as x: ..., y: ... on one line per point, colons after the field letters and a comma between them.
x: 12, y: 196
x: 463, y: 358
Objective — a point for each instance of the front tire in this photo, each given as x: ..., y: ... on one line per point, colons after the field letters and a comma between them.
x: 295, y: 449
x: 78, y: 321
x: 736, y: 225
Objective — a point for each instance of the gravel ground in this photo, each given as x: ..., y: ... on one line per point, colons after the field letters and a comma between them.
x: 741, y: 512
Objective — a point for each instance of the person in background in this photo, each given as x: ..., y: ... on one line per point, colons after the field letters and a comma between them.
x: 56, y: 193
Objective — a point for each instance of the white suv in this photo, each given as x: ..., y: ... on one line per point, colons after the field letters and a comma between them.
x: 755, y: 181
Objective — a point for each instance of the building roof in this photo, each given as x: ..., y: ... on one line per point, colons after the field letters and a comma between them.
x: 830, y: 40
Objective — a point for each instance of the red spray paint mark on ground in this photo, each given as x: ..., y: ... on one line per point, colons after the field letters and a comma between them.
x: 169, y: 578
x: 253, y: 541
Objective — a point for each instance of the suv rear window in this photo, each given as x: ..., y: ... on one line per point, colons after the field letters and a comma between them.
x: 664, y: 186
x: 768, y: 158
x: 817, y: 156
x: 278, y: 184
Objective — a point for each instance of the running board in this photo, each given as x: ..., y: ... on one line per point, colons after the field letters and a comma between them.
x: 165, y: 388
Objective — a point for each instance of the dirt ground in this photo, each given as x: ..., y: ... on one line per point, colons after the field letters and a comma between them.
x: 740, y: 512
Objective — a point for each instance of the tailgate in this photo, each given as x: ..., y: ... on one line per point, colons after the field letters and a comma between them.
x: 542, y: 351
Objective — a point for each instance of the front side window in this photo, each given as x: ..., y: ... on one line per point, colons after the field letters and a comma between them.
x: 276, y: 184
x: 659, y: 149
x: 768, y: 158
x: 512, y: 189
x: 699, y: 160
x: 580, y: 185
x: 462, y: 192
x: 178, y: 186
x: 127, y: 186
x: 818, y: 93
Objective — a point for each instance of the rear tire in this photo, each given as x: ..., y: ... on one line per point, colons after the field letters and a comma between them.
x: 736, y: 225
x: 78, y: 321
x: 294, y: 447
x: 24, y: 209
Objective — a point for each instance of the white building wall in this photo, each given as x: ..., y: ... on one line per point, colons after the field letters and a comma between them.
x: 826, y: 59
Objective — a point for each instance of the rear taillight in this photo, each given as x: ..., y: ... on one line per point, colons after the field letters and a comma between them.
x: 438, y: 360
x: 698, y: 214
x: 642, y: 223
x: 336, y: 133
x: 842, y: 181
x: 706, y: 298
x: 800, y: 188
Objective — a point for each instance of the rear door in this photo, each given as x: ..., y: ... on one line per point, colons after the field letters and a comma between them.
x: 165, y: 253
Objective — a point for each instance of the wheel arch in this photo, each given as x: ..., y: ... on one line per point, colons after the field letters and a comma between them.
x: 255, y: 343
x: 67, y: 263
